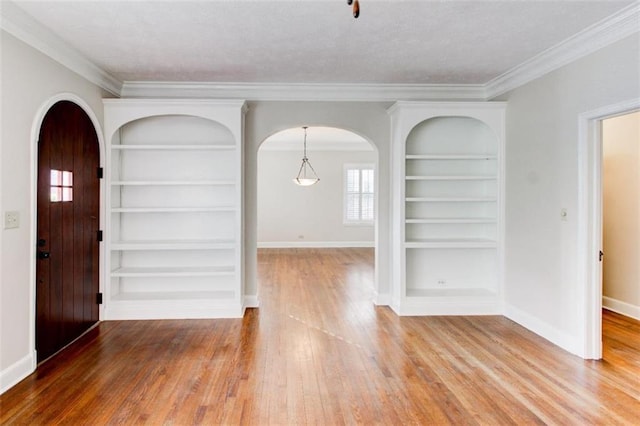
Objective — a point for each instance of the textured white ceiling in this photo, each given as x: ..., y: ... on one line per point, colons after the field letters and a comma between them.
x: 396, y: 42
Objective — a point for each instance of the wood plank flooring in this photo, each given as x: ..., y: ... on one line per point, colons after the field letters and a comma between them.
x: 319, y: 352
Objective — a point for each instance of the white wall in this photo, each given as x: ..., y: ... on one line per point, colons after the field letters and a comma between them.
x: 542, y: 178
x: 621, y: 214
x: 28, y: 80
x: 290, y: 215
x: 369, y: 120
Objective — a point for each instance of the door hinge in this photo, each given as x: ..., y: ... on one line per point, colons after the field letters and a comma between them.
x: 600, y: 256
x: 99, y: 298
x: 99, y: 236
x: 100, y: 172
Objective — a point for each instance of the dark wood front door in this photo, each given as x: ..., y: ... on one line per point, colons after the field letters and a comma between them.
x: 67, y: 268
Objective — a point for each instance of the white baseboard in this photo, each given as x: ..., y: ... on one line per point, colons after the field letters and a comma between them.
x: 172, y: 309
x: 451, y: 307
x: 395, y: 304
x: 383, y: 299
x: 13, y: 374
x: 560, y: 338
x: 316, y: 244
x: 623, y: 308
x: 251, y: 301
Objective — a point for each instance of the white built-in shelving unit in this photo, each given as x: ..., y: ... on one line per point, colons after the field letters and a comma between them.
x: 447, y: 214
x: 174, y: 233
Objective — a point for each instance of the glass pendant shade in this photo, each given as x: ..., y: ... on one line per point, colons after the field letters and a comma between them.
x: 307, y: 176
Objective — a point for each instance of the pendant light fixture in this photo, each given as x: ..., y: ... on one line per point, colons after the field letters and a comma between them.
x: 306, y: 175
x: 356, y: 7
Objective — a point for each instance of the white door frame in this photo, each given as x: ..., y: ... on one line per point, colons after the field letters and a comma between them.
x: 590, y: 221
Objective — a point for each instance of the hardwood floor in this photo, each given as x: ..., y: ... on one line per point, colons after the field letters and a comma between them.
x: 317, y: 351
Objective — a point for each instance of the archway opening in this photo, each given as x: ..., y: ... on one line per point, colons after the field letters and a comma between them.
x: 323, y: 234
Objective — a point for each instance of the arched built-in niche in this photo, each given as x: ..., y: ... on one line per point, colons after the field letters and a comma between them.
x: 175, y: 226
x: 449, y: 207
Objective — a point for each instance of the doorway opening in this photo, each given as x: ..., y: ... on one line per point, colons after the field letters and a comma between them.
x: 590, y: 221
x: 333, y: 220
x: 620, y: 224
x: 67, y: 257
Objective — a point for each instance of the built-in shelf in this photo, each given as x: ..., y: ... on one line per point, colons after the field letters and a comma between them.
x: 173, y: 245
x: 450, y: 157
x: 453, y: 220
x: 173, y: 295
x: 450, y: 292
x: 447, y: 219
x: 176, y: 147
x: 452, y: 177
x: 209, y: 271
x: 175, y: 193
x: 172, y: 183
x: 173, y: 209
x: 451, y: 199
x: 450, y: 243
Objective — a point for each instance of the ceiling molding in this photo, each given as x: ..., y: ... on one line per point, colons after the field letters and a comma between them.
x: 611, y: 29
x: 16, y: 22
x: 303, y: 92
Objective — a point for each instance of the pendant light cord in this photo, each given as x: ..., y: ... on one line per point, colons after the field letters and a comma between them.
x: 302, y: 178
x: 305, y: 144
x: 305, y: 160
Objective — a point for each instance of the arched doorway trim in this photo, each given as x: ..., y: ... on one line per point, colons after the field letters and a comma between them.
x: 380, y: 297
x: 34, y: 136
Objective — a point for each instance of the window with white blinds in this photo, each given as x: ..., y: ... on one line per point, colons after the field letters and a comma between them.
x: 359, y: 200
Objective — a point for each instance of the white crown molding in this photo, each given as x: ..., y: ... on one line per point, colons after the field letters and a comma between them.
x: 611, y: 29
x: 16, y: 22
x: 303, y: 92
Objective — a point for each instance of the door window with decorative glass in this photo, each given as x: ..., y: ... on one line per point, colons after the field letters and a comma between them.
x: 61, y: 186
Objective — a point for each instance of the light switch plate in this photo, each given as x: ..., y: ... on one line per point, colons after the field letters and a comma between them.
x: 11, y: 220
